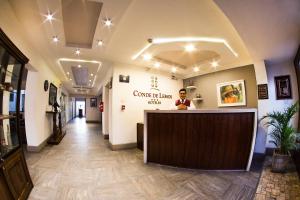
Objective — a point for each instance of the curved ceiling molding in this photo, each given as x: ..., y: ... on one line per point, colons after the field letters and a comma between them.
x: 157, y: 41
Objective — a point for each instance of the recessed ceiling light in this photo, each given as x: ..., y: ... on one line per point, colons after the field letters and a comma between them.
x: 157, y: 65
x: 107, y: 22
x: 214, y: 64
x: 100, y: 43
x: 77, y: 52
x: 190, y: 48
x: 55, y: 39
x: 147, y: 57
x: 68, y: 73
x: 174, y: 69
x: 92, y: 74
x: 90, y: 80
x: 196, y: 69
x: 49, y: 17
x: 70, y: 79
x: 79, y: 66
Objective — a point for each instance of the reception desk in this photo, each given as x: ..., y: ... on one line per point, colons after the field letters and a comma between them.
x: 221, y: 139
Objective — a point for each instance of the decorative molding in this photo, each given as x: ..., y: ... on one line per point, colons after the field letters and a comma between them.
x: 122, y: 146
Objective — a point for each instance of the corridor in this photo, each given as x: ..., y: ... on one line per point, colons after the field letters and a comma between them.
x: 83, y: 167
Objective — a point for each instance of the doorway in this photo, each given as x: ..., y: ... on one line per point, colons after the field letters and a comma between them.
x: 80, y: 107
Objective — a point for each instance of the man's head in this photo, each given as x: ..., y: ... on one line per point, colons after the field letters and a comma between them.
x: 182, y: 93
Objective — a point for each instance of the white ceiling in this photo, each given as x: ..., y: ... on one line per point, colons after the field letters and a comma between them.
x: 136, y: 21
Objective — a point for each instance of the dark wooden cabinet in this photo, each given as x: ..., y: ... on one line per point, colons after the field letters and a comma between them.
x: 15, y: 181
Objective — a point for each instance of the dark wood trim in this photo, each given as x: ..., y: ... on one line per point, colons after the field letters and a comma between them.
x: 297, y: 69
x: 106, y: 136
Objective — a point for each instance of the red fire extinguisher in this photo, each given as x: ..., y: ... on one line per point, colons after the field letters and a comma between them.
x: 101, y: 106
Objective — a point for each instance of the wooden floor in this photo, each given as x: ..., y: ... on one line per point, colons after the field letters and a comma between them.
x: 83, y: 167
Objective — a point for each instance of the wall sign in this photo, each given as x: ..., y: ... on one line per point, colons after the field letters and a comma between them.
x: 262, y: 90
x: 153, y: 96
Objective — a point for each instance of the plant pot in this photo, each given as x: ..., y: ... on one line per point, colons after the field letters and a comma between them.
x: 280, y: 162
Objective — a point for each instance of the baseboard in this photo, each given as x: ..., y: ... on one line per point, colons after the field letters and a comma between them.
x: 92, y: 121
x: 122, y: 146
x: 39, y: 147
x: 106, y: 136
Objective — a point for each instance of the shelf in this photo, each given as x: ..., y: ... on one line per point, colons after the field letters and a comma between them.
x: 7, y: 117
x: 197, y: 99
x: 191, y: 87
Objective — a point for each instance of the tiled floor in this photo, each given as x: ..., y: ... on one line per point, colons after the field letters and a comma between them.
x: 83, y: 167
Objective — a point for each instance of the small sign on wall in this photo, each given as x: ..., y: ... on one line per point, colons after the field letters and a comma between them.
x: 124, y: 79
x: 262, y: 90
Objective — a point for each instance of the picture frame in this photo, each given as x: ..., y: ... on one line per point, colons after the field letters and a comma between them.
x: 262, y: 91
x: 93, y: 102
x: 231, y: 93
x: 283, y: 87
x: 52, y: 94
x: 124, y: 78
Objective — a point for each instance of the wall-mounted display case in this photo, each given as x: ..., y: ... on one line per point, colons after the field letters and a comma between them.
x: 15, y: 181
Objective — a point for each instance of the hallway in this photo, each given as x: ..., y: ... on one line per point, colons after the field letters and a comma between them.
x: 83, y: 167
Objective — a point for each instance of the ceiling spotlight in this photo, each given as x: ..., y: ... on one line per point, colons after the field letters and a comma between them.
x: 107, y: 22
x: 92, y: 74
x: 77, y: 52
x: 215, y: 64
x: 157, y: 65
x: 70, y: 79
x: 174, y: 69
x: 79, y: 66
x: 55, y: 39
x: 49, y: 17
x: 189, y: 48
x: 68, y: 73
x: 147, y: 57
x: 99, y: 43
x: 90, y: 80
x: 196, y: 69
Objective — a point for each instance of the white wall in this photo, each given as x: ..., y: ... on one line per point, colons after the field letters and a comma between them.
x: 38, y: 124
x: 124, y: 122
x: 278, y: 69
x: 92, y: 113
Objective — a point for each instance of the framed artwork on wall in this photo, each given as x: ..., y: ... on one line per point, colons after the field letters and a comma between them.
x: 93, y: 102
x: 283, y: 87
x: 52, y: 94
x: 231, y: 93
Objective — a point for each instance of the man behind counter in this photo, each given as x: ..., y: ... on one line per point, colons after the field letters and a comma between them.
x: 183, y: 103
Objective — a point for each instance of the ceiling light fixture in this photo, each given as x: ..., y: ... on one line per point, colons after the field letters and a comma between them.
x: 90, y: 80
x: 92, y: 74
x: 55, y: 39
x: 68, y: 73
x: 49, y: 17
x: 190, y: 48
x: 77, y: 52
x: 214, y: 64
x: 157, y: 65
x: 174, y: 69
x: 184, y: 39
x: 196, y: 69
x: 147, y: 57
x: 70, y: 79
x: 108, y: 22
x: 79, y: 66
x: 99, y: 43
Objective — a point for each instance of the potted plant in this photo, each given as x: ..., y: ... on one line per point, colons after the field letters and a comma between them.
x: 283, y: 136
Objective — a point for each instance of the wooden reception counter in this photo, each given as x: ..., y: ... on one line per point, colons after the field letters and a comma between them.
x: 221, y: 139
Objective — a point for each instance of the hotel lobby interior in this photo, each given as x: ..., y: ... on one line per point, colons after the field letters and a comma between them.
x: 140, y: 99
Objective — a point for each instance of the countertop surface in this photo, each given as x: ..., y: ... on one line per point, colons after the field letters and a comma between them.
x: 240, y: 110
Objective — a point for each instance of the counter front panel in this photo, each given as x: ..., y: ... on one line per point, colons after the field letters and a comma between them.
x: 212, y: 141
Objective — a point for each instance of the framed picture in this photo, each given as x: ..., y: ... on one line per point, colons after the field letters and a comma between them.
x: 283, y: 87
x: 93, y: 102
x: 262, y: 90
x: 231, y: 93
x: 52, y: 94
x: 124, y: 79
